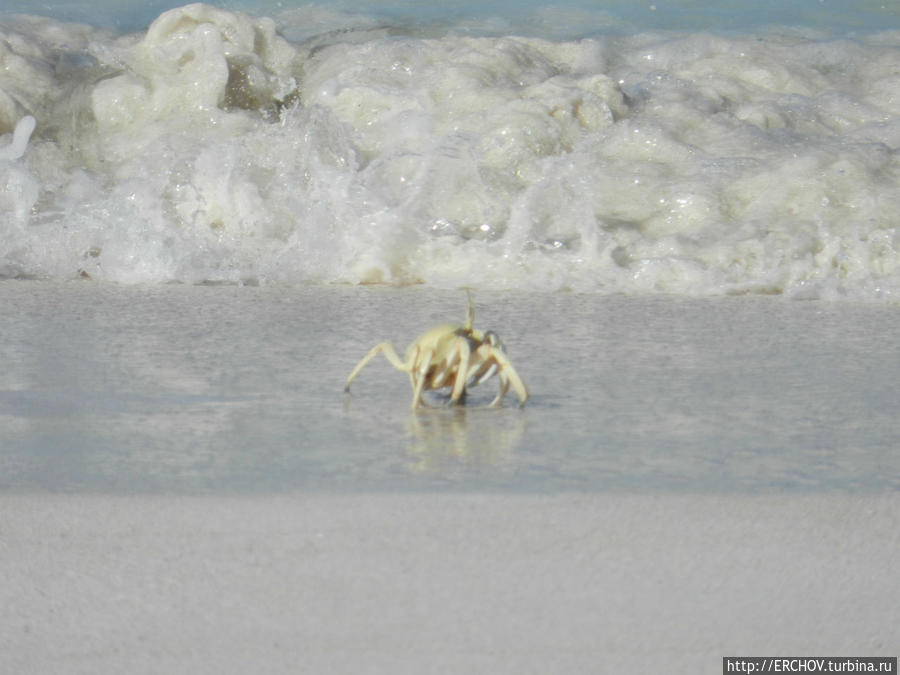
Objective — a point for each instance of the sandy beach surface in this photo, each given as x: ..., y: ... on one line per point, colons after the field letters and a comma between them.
x: 442, y: 583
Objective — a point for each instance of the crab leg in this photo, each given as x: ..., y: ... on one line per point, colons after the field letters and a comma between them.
x: 486, y: 367
x: 459, y: 385
x: 509, y: 373
x: 439, y: 379
x: 420, y: 374
x: 390, y: 354
x: 480, y: 372
x: 504, y: 387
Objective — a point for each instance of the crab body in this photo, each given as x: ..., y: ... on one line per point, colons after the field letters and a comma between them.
x: 453, y: 356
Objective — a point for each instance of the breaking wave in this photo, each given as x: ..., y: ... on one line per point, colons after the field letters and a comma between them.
x: 211, y: 148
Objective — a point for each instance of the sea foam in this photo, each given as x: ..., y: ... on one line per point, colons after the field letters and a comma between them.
x: 212, y: 148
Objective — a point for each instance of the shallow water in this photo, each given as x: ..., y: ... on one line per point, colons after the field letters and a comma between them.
x: 233, y: 390
x: 563, y: 18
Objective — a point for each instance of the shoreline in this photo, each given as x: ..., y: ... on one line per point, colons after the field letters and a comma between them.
x: 442, y: 582
x: 196, y: 390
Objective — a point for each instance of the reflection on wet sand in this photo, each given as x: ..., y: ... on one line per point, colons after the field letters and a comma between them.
x: 444, y: 439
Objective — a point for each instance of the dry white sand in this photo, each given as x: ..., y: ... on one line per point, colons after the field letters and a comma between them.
x: 442, y: 583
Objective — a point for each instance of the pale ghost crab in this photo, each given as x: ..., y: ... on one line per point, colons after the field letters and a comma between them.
x: 454, y: 356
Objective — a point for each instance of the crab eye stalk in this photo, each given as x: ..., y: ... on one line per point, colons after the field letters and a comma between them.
x: 470, y: 311
x: 494, y: 340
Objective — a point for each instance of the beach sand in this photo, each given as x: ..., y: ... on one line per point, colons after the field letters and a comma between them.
x: 442, y: 583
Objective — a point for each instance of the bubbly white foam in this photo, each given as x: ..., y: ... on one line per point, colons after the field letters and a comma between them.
x: 16, y: 147
x: 212, y: 148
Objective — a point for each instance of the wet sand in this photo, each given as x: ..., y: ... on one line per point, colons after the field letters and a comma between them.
x: 235, y: 390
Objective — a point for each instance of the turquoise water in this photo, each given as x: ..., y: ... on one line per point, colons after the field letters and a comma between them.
x: 568, y: 18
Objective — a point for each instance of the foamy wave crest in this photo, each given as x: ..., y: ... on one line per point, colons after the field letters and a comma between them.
x: 212, y: 149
